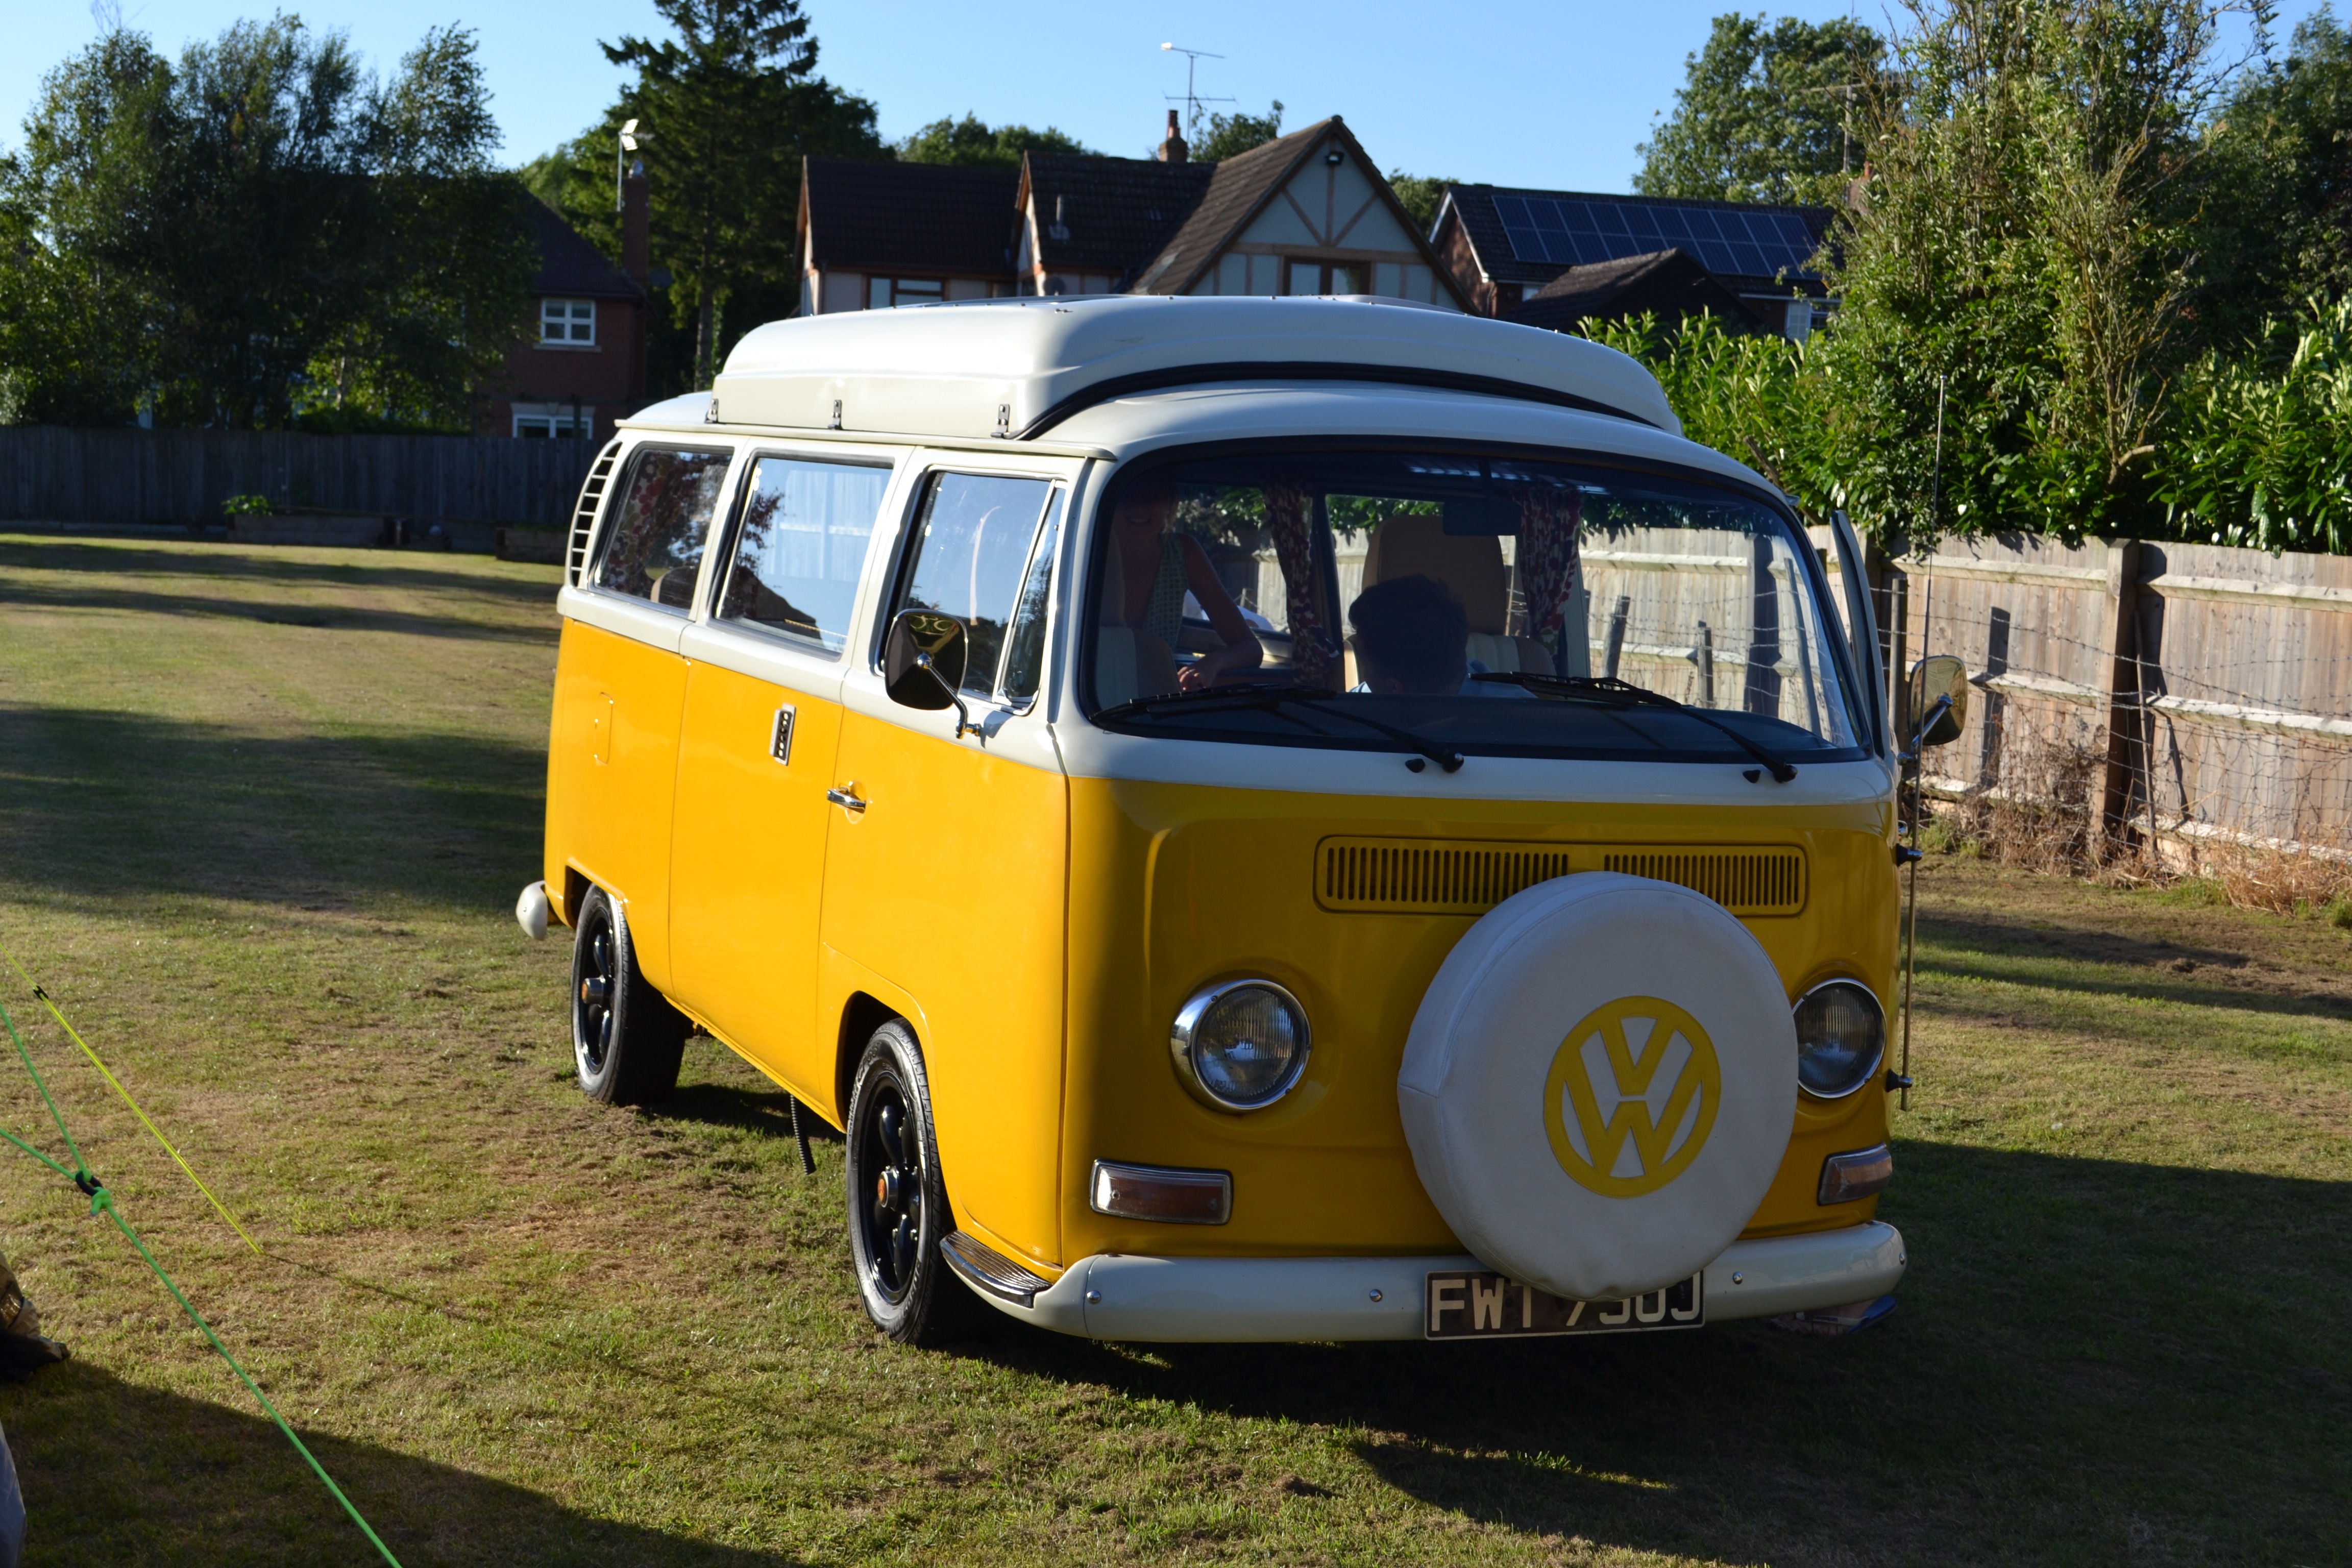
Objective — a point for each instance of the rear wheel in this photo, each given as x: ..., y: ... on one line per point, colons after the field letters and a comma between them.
x: 898, y: 1202
x: 626, y: 1039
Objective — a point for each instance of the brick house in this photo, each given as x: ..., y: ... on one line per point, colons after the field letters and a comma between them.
x: 582, y: 366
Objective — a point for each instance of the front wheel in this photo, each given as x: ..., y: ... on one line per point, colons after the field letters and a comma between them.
x: 626, y: 1039
x: 898, y: 1202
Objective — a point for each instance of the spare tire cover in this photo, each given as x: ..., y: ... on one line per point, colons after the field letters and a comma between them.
x: 1600, y: 1084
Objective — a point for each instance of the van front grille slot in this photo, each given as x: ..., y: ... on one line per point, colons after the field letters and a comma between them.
x: 1745, y: 882
x: 1429, y: 876
x: 1400, y: 874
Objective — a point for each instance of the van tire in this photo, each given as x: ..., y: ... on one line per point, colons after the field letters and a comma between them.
x: 896, y: 1198
x: 626, y: 1039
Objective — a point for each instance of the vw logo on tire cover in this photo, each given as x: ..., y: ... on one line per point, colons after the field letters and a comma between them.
x: 1600, y: 1084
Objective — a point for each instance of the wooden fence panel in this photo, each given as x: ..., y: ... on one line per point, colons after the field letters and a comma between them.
x: 52, y: 473
x: 2197, y: 691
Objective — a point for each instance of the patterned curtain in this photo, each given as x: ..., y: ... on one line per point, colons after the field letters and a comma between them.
x: 1549, y: 523
x: 1290, y: 518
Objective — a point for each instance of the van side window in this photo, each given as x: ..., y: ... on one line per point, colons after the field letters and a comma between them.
x: 654, y: 547
x: 1024, y: 646
x: 802, y: 546
x: 972, y: 547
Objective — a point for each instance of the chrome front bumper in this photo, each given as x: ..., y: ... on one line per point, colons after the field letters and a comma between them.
x: 1124, y: 1297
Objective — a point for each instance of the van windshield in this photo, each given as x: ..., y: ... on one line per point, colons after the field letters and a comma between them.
x: 1462, y: 604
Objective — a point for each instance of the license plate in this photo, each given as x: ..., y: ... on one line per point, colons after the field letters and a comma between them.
x: 1476, y: 1305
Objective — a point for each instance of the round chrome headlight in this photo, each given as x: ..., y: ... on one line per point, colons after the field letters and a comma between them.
x: 1240, y: 1046
x: 1841, y: 1038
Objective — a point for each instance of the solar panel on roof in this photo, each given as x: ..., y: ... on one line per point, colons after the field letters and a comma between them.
x: 1752, y: 242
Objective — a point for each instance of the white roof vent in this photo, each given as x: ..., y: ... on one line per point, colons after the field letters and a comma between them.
x: 1018, y: 367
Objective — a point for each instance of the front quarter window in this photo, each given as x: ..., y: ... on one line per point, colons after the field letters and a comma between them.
x: 973, y: 547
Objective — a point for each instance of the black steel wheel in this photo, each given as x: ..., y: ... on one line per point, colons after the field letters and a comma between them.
x: 626, y: 1039
x: 898, y: 1202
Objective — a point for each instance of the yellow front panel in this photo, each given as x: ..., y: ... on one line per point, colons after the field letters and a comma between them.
x: 612, y: 765
x: 748, y: 869
x: 949, y: 886
x: 1173, y: 886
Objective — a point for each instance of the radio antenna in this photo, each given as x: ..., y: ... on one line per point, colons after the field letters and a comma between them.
x: 1191, y: 99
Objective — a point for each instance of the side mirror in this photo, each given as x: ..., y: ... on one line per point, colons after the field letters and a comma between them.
x: 923, y: 661
x: 1937, y: 701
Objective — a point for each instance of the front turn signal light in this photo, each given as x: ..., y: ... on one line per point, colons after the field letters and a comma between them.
x: 1848, y: 1178
x: 1164, y: 1192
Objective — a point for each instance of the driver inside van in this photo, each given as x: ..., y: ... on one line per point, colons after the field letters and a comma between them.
x: 1157, y: 566
x: 1412, y: 639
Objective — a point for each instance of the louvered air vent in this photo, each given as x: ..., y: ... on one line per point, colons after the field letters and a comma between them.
x: 1745, y: 882
x: 1431, y: 876
x: 584, y: 516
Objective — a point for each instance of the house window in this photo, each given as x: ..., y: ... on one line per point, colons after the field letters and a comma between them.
x: 567, y: 321
x: 544, y: 422
x: 881, y: 293
x: 1320, y: 277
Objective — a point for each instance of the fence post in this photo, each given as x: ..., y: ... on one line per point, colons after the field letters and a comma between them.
x: 2123, y: 692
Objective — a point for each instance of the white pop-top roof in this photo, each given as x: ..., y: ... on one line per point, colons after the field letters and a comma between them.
x: 1017, y: 367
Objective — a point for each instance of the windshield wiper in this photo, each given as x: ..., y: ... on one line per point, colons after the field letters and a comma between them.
x: 1609, y: 692
x: 1273, y: 697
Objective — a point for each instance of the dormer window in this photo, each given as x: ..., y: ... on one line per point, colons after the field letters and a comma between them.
x: 572, y: 321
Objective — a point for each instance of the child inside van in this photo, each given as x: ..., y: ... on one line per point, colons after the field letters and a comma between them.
x: 1413, y: 638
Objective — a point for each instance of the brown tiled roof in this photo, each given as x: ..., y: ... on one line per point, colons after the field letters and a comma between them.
x: 921, y: 217
x: 1236, y: 188
x: 571, y: 267
x: 1114, y: 212
x: 1670, y: 284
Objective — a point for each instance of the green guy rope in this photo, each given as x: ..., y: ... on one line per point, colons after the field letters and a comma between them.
x: 101, y: 1201
x: 116, y: 1086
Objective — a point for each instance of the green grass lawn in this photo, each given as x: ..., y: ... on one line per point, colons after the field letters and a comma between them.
x: 263, y: 815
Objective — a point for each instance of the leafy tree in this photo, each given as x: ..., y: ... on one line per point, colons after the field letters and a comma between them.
x: 810, y: 117
x: 2020, y: 254
x: 1230, y: 134
x: 971, y: 143
x: 1765, y: 114
x: 732, y: 103
x: 209, y: 236
x: 1420, y: 197
x: 2276, y: 187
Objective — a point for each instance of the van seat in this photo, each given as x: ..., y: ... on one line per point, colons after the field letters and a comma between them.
x: 1469, y: 566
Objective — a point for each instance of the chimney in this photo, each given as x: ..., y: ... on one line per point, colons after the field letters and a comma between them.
x: 636, y: 226
x: 1172, y: 150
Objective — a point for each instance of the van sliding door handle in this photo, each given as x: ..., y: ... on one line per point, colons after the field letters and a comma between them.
x: 846, y: 798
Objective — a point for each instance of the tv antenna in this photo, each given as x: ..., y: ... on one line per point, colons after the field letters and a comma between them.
x: 1191, y: 99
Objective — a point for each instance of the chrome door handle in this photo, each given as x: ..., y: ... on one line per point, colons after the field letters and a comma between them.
x: 843, y: 798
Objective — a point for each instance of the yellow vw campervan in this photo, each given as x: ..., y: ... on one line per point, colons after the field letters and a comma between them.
x: 1261, y: 819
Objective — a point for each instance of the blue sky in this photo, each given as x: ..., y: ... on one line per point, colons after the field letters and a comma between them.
x: 1560, y: 98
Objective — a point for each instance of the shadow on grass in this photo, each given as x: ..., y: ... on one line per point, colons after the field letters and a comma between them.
x: 369, y: 569
x: 1993, y: 940
x: 110, y: 1470
x: 312, y: 821
x: 2087, y: 944
x: 2093, y: 1361
x: 746, y: 1109
x: 309, y: 614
